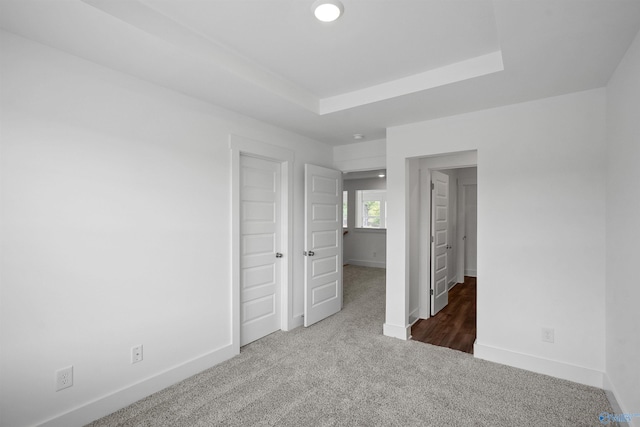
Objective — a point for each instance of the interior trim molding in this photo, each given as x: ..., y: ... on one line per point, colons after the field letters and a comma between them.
x: 365, y: 163
x: 295, y: 322
x: 395, y: 331
x: 119, y: 399
x: 453, y: 73
x: 238, y: 146
x: 554, y: 368
x: 414, y: 316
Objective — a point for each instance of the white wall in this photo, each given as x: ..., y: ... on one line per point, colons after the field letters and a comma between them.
x: 471, y: 230
x: 363, y: 246
x: 623, y: 232
x: 360, y: 156
x: 466, y: 177
x: 541, y: 229
x: 414, y: 220
x: 115, y: 232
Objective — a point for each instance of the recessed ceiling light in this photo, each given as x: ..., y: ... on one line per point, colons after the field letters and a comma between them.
x: 381, y: 175
x: 358, y: 136
x: 327, y: 10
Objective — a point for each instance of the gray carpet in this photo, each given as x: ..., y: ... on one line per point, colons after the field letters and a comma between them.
x: 344, y: 372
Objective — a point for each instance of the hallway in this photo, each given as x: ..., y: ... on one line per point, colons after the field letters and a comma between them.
x: 455, y: 325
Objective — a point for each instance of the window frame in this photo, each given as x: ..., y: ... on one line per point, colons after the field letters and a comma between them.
x: 362, y: 196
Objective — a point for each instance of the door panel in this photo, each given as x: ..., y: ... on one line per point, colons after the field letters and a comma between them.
x: 440, y: 244
x: 259, y: 242
x: 258, y: 308
x: 323, y: 266
x: 323, y: 243
x: 324, y: 293
x: 325, y: 239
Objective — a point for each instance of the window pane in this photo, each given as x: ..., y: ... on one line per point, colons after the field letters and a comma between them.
x: 371, y: 214
x: 371, y: 209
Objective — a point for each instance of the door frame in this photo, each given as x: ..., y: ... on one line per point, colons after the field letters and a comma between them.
x: 238, y: 146
x: 427, y: 164
x: 463, y: 183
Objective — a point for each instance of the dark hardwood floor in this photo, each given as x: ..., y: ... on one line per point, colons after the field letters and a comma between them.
x: 455, y: 325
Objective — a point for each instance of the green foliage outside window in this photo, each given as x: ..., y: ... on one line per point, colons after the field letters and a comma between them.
x: 371, y: 217
x: 371, y: 207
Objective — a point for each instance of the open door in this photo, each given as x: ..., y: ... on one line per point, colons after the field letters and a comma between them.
x: 323, y: 243
x: 439, y: 240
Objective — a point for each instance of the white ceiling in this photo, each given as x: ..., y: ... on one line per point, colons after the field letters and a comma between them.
x: 383, y: 63
x: 359, y: 51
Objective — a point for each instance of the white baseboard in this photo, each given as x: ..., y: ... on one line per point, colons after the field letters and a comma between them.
x: 549, y: 367
x: 414, y: 316
x: 366, y: 263
x: 611, y: 393
x: 395, y: 331
x: 471, y: 273
x: 110, y: 403
x: 295, y: 322
x: 617, y: 404
x: 452, y: 284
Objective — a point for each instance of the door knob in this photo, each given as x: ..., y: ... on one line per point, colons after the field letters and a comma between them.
x: 310, y: 253
x: 278, y: 255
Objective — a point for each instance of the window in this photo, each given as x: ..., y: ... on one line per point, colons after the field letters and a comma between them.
x: 371, y: 209
x: 345, y: 209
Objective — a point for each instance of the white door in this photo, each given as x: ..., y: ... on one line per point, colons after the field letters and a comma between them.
x: 259, y: 245
x: 439, y: 240
x: 323, y: 243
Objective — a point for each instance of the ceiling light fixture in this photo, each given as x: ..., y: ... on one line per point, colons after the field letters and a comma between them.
x: 327, y: 10
x: 358, y: 136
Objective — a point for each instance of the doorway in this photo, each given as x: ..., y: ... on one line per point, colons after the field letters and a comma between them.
x: 262, y: 235
x: 260, y: 246
x: 467, y: 253
x: 447, y: 263
x: 468, y: 250
x: 364, y: 226
x: 453, y: 231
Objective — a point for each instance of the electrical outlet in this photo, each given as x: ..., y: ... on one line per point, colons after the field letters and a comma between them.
x: 136, y: 354
x: 547, y: 335
x: 64, y: 378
